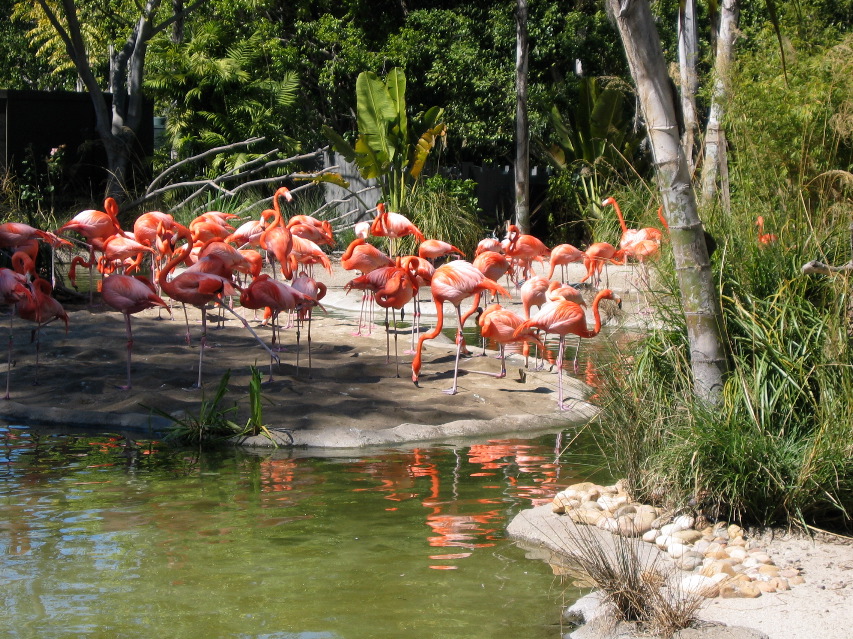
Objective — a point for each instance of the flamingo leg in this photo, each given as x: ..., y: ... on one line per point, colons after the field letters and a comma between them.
x: 129, y: 350
x: 560, y: 373
x: 203, y: 343
x: 387, y: 340
x: 248, y: 328
x: 459, y: 342
x: 298, y: 338
x: 309, y: 343
x: 9, y: 360
x: 396, y: 356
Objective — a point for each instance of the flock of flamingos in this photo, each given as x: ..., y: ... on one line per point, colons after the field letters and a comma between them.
x: 219, y: 261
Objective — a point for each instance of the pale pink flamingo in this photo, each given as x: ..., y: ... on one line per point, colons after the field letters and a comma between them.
x: 13, y: 289
x: 488, y: 244
x: 562, y: 318
x: 393, y: 226
x: 129, y: 295
x: 564, y: 254
x: 276, y: 239
x: 631, y: 236
x: 434, y: 249
x: 422, y: 270
x: 314, y: 291
x: 597, y: 256
x: 525, y: 248
x: 363, y: 257
x: 453, y: 282
x: 42, y: 309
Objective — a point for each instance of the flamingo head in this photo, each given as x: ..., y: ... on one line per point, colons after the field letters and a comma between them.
x: 284, y: 192
x: 608, y: 202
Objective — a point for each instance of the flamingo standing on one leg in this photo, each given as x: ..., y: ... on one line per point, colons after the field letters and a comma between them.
x: 453, y: 282
x: 423, y: 271
x: 563, y: 318
x: 130, y: 295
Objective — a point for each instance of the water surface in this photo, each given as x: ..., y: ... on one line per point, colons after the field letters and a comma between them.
x: 102, y: 539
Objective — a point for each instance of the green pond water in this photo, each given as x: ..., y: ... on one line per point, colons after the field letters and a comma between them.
x: 102, y: 539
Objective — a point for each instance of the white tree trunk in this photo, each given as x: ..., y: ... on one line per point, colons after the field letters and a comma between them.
x: 522, y: 129
x: 715, y: 138
x: 699, y: 298
x: 687, y: 53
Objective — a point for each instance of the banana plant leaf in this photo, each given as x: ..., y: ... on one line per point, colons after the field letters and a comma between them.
x: 376, y: 113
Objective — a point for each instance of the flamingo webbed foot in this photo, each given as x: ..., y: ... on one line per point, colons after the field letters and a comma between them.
x: 449, y: 391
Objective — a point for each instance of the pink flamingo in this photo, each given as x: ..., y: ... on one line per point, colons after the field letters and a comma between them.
x: 363, y: 257
x: 562, y: 318
x: 393, y: 226
x: 499, y: 324
x: 631, y: 236
x: 564, y: 254
x: 129, y: 295
x: 453, y: 282
x: 13, y: 289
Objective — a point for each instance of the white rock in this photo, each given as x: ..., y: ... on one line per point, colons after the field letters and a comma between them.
x: 651, y: 535
x: 697, y: 584
x: 676, y: 549
x: 684, y: 521
x: 662, y: 541
x: 670, y: 528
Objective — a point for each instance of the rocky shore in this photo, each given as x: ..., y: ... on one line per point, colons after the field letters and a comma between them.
x: 747, y: 584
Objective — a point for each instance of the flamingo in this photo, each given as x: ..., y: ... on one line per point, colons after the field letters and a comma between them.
x: 453, y: 282
x: 42, y: 309
x: 310, y: 228
x: 392, y: 287
x: 631, y: 236
x: 307, y: 252
x: 95, y: 226
x: 363, y: 257
x: 489, y: 244
x: 423, y: 271
x: 563, y: 318
x: 362, y: 229
x: 533, y: 293
x: 433, y: 249
x: 129, y: 295
x: 499, y: 324
x: 561, y: 255
x: 764, y: 238
x: 313, y: 291
x: 393, y: 226
x: 525, y: 249
x: 13, y: 289
x: 265, y: 292
x: 277, y: 238
x: 597, y: 255
x: 200, y: 289
x: 492, y: 265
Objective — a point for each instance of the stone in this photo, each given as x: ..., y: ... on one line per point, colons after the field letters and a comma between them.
x: 626, y: 509
x: 581, y: 487
x: 699, y: 585
x: 739, y: 591
x: 650, y: 535
x: 684, y: 521
x: 668, y: 529
x: 761, y: 557
x: 718, y: 567
x: 607, y: 523
x: 689, y: 561
x: 795, y: 581
x: 701, y: 546
x: 768, y: 570
x: 780, y: 584
x: 643, y: 522
x: 625, y: 526
x: 662, y: 541
x: 738, y: 541
x: 734, y: 531
x: 789, y: 572
x: 687, y: 535
x: 590, y: 504
x: 736, y: 552
x: 677, y: 549
x: 765, y: 586
x: 588, y: 516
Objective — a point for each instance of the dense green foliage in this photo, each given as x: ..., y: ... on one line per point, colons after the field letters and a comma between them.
x: 780, y: 449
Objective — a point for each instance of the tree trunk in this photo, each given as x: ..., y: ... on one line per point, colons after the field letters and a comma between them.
x: 699, y: 297
x: 116, y: 127
x: 522, y: 129
x: 687, y: 52
x: 715, y: 137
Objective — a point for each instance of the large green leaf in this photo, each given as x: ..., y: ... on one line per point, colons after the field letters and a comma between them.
x: 423, y: 147
x: 339, y: 144
x: 396, y: 84
x: 376, y: 113
x: 371, y: 164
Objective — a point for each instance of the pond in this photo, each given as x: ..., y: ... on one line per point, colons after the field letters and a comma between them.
x: 103, y: 537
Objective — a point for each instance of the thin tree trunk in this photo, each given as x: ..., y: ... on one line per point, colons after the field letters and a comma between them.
x: 699, y: 298
x: 715, y: 135
x: 687, y: 52
x: 522, y: 129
